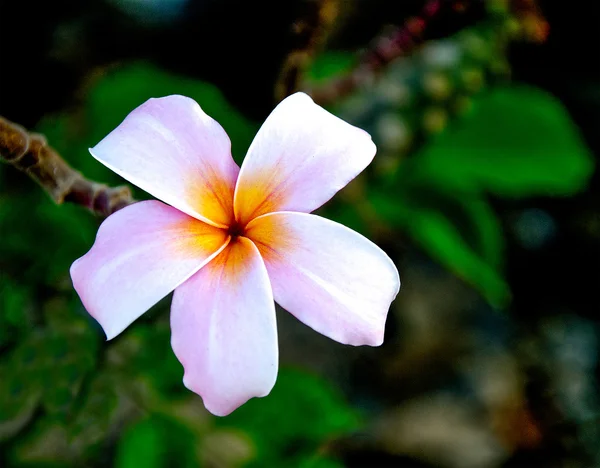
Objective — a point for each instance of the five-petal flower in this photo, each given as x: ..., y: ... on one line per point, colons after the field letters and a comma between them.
x: 235, y: 240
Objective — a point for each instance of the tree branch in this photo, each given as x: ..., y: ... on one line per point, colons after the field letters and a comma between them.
x: 384, y: 49
x: 309, y: 31
x: 30, y: 153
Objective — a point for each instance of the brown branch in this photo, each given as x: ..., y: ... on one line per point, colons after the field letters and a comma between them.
x: 384, y: 49
x: 30, y: 153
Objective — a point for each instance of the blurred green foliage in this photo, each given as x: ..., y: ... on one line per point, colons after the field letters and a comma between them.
x: 517, y: 141
x: 313, y: 412
x: 156, y: 442
x: 65, y: 398
x: 461, y: 232
x: 514, y: 141
x: 329, y: 65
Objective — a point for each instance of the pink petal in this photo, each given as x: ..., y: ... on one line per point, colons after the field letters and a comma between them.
x: 224, y: 331
x: 141, y: 254
x: 330, y: 277
x: 300, y: 158
x: 171, y: 149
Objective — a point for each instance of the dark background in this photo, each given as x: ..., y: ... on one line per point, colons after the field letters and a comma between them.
x: 483, y: 192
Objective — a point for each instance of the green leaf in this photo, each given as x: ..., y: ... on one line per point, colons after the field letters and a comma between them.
x: 319, y: 462
x: 330, y: 64
x: 142, y: 352
x: 98, y: 413
x: 18, y: 402
x: 156, y: 442
x: 519, y: 141
x: 15, y: 300
x: 22, y: 384
x: 141, y: 445
x: 42, y: 244
x: 460, y: 231
x: 299, y: 414
x: 63, y: 357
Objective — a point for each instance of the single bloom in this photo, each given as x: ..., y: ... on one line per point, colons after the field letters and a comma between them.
x: 230, y: 241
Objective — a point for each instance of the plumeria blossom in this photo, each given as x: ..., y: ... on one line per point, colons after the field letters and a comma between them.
x: 230, y: 241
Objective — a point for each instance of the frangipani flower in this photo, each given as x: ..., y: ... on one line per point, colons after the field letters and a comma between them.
x: 235, y: 240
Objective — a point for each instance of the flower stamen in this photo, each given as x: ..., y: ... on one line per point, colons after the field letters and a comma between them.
x: 235, y: 230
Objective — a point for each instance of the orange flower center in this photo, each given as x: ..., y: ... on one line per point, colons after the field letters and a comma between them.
x: 235, y: 230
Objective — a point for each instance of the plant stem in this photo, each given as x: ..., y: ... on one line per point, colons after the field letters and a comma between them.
x: 384, y: 49
x: 30, y: 153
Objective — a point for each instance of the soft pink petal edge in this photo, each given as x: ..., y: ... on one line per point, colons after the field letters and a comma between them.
x: 331, y: 278
x: 170, y: 148
x: 140, y: 255
x: 301, y: 156
x: 224, y: 330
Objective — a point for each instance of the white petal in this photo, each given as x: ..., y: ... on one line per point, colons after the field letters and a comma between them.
x: 224, y: 330
x: 141, y: 254
x: 171, y: 149
x: 330, y: 277
x: 300, y: 158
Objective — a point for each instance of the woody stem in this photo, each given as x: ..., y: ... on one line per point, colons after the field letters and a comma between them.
x: 30, y: 153
x: 383, y: 50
